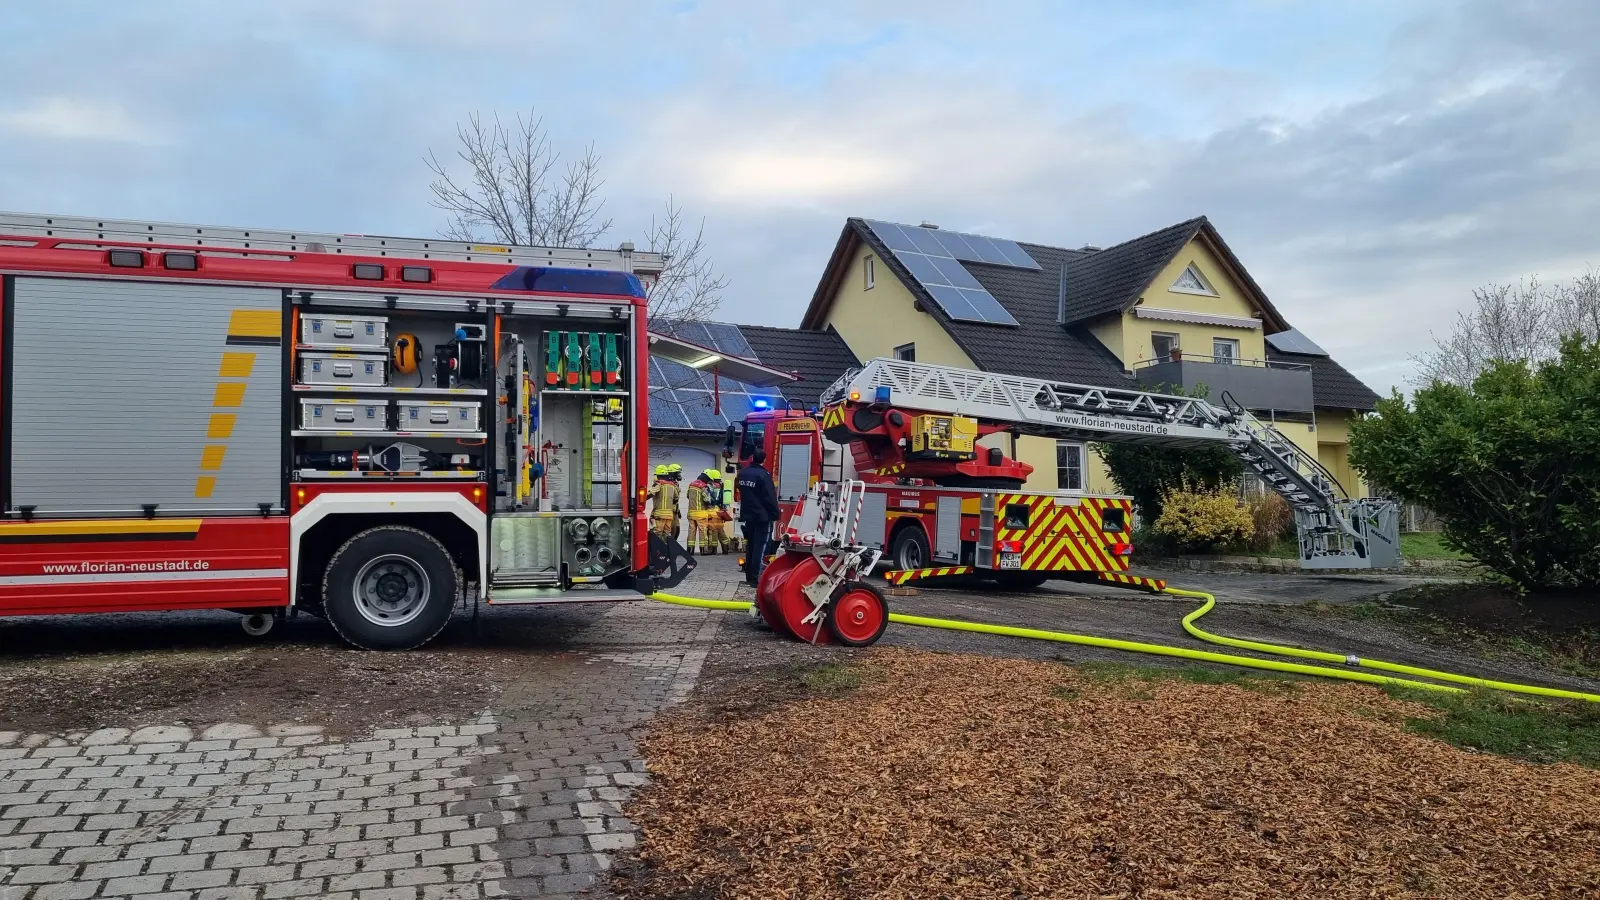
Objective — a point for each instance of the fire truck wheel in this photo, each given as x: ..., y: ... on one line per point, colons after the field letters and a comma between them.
x: 390, y: 588
x: 857, y: 615
x: 909, y: 549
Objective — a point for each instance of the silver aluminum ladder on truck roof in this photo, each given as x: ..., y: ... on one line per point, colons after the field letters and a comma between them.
x: 644, y: 264
x: 1336, y: 531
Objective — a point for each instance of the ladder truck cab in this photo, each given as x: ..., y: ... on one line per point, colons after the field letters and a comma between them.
x: 374, y: 430
x: 948, y: 505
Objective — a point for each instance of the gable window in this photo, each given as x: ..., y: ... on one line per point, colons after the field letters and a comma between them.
x: 1069, y: 466
x: 1225, y: 351
x: 870, y: 273
x: 1164, y: 346
x: 1192, y: 282
x: 906, y: 352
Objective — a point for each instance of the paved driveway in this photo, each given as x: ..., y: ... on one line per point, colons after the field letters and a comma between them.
x: 522, y: 800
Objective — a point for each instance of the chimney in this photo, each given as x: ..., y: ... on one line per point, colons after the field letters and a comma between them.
x: 927, y: 224
x: 1088, y: 248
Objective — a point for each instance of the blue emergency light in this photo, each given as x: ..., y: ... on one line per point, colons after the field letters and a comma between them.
x: 759, y: 404
x: 882, y: 396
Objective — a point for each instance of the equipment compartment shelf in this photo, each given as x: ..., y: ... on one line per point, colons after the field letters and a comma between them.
x: 460, y: 435
x: 418, y: 391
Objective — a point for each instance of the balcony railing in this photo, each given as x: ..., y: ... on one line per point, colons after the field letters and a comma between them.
x: 1257, y: 384
x: 1223, y: 361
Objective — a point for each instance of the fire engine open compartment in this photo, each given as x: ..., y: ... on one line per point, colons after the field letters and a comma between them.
x: 565, y: 418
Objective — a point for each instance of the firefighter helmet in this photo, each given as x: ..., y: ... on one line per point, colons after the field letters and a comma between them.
x: 661, y: 471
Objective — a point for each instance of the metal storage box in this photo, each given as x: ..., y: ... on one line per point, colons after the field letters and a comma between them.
x: 341, y: 414
x: 324, y: 330
x: 344, y: 368
x: 438, y: 415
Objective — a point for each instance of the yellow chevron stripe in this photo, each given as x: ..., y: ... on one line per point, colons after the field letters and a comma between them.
x: 1050, y: 560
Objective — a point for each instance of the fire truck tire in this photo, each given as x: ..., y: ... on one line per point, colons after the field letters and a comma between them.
x: 857, y: 614
x: 389, y: 588
x: 910, y: 548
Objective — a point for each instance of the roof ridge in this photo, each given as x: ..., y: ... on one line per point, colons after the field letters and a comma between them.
x: 1196, y: 222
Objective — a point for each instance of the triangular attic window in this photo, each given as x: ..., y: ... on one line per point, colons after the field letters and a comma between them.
x: 1191, y: 282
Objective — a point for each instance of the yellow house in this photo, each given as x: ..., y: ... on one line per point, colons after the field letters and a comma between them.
x: 1171, y: 309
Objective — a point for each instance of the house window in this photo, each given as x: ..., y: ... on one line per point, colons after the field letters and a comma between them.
x: 1225, y: 351
x: 871, y: 272
x: 1069, y: 466
x: 1192, y: 282
x: 906, y: 352
x: 1165, y: 346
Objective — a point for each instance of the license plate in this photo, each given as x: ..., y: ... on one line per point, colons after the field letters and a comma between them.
x: 1011, y: 560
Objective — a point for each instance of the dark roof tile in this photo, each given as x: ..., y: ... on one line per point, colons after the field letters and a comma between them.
x: 1109, y: 280
x: 818, y: 357
x: 1332, y: 385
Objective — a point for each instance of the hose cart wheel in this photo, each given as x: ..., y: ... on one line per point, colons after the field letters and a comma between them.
x: 857, y: 614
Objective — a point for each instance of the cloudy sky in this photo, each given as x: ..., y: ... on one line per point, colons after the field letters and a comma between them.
x: 1371, y: 161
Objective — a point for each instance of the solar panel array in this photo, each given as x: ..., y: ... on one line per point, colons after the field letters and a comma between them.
x: 682, y: 398
x: 934, y: 257
x: 1292, y: 341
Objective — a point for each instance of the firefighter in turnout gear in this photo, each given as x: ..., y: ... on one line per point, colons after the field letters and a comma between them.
x: 664, y: 504
x: 701, y: 516
x: 717, y: 496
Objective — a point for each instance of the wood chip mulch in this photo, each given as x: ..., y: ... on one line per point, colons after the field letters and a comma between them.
x: 956, y: 776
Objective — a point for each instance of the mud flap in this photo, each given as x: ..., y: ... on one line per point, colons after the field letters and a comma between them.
x: 669, y: 562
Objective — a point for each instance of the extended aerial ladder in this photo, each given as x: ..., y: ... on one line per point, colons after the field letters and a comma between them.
x: 1335, y: 529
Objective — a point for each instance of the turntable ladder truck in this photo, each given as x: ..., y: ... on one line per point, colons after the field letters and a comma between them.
x: 950, y: 506
x: 376, y: 430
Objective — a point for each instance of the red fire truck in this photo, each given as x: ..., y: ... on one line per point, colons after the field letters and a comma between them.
x: 371, y: 429
x: 938, y: 503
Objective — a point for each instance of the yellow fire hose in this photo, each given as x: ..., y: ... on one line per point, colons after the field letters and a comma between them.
x: 1352, y: 660
x: 1250, y: 662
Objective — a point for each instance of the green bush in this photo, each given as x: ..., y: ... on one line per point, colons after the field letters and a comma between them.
x: 1201, y: 520
x: 1511, y: 464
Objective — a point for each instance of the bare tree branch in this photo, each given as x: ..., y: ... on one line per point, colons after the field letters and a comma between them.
x: 690, y: 288
x: 1525, y: 322
x: 515, y: 191
x: 508, y: 195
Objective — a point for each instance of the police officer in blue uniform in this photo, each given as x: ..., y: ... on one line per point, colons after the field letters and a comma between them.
x: 758, y: 509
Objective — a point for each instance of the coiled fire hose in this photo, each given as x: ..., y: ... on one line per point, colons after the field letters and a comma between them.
x: 1346, y: 674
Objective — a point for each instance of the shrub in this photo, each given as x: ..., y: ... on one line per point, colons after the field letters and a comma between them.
x: 1198, y: 520
x: 1271, y: 520
x: 1511, y: 464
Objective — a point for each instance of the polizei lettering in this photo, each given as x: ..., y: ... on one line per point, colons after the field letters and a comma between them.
x: 1096, y: 423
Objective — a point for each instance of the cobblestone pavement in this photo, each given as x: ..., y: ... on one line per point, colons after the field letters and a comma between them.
x: 520, y: 801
